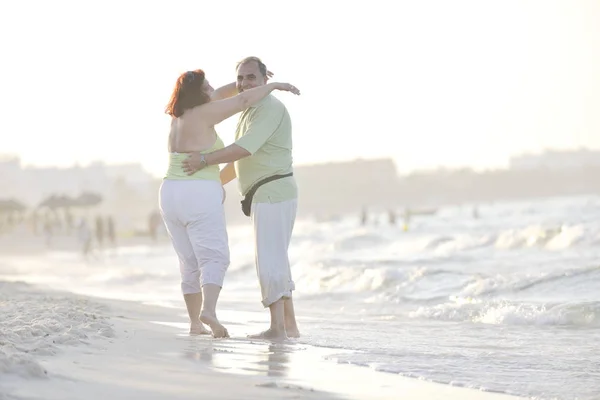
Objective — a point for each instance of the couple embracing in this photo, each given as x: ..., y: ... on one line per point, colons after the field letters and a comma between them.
x: 192, y: 194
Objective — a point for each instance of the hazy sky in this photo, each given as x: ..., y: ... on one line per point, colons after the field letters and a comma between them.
x: 426, y: 82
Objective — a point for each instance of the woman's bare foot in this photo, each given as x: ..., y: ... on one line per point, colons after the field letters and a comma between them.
x: 292, y: 332
x: 198, y: 328
x: 272, y: 334
x: 218, y: 330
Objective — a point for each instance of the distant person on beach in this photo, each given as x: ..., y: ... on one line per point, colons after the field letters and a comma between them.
x: 406, y: 219
x: 69, y: 221
x: 392, y: 217
x: 153, y: 223
x: 100, y: 231
x: 262, y: 154
x: 110, y: 230
x: 84, y: 235
x: 192, y: 204
x: 48, y: 231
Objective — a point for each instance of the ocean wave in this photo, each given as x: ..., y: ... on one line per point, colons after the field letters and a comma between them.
x: 426, y: 282
x: 549, y: 238
x: 380, y: 282
x: 515, y: 283
x: 360, y: 240
x: 387, y: 281
x: 503, y: 312
x: 459, y: 242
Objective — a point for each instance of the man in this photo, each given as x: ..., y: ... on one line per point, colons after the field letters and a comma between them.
x: 262, y: 149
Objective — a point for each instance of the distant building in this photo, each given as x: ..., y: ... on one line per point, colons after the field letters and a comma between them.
x: 33, y: 184
x: 348, y: 186
x: 557, y: 159
x: 337, y: 188
x: 129, y: 192
x: 10, y: 174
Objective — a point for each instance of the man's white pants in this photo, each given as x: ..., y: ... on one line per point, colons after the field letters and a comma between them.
x: 194, y: 217
x: 273, y: 226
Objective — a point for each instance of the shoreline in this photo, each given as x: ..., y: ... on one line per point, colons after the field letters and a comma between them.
x: 144, y: 351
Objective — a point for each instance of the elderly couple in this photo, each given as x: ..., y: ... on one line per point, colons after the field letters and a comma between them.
x: 192, y: 194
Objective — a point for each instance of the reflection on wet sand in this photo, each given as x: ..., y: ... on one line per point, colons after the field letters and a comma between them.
x: 308, y: 369
x: 246, y: 357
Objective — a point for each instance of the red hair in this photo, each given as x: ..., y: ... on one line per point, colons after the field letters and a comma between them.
x: 188, y: 93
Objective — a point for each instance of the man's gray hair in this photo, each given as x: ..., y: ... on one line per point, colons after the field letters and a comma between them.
x: 261, y: 66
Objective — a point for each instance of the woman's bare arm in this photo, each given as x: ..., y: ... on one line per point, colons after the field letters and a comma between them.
x: 229, y: 90
x: 224, y: 92
x: 215, y: 112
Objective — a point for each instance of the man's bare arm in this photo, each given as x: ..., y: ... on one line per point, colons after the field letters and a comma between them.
x: 228, y: 154
x: 228, y: 174
x: 196, y: 161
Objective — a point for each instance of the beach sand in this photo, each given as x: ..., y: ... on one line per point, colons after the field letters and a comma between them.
x: 56, y: 345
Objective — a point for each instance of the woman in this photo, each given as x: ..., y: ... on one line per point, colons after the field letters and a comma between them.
x: 192, y: 205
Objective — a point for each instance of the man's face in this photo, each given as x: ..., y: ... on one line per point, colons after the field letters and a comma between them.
x: 249, y: 76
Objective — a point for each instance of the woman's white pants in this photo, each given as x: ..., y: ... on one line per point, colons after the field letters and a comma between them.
x: 195, y: 220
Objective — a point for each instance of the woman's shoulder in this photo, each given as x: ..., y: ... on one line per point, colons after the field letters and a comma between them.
x: 193, y: 115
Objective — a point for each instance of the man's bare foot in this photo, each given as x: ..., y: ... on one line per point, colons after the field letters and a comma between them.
x: 198, y: 328
x: 218, y: 330
x: 292, y: 329
x: 273, y: 334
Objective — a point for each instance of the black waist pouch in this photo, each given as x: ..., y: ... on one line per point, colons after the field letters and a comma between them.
x: 247, y: 201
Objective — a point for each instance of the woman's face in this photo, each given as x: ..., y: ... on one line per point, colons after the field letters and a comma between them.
x: 206, y: 88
